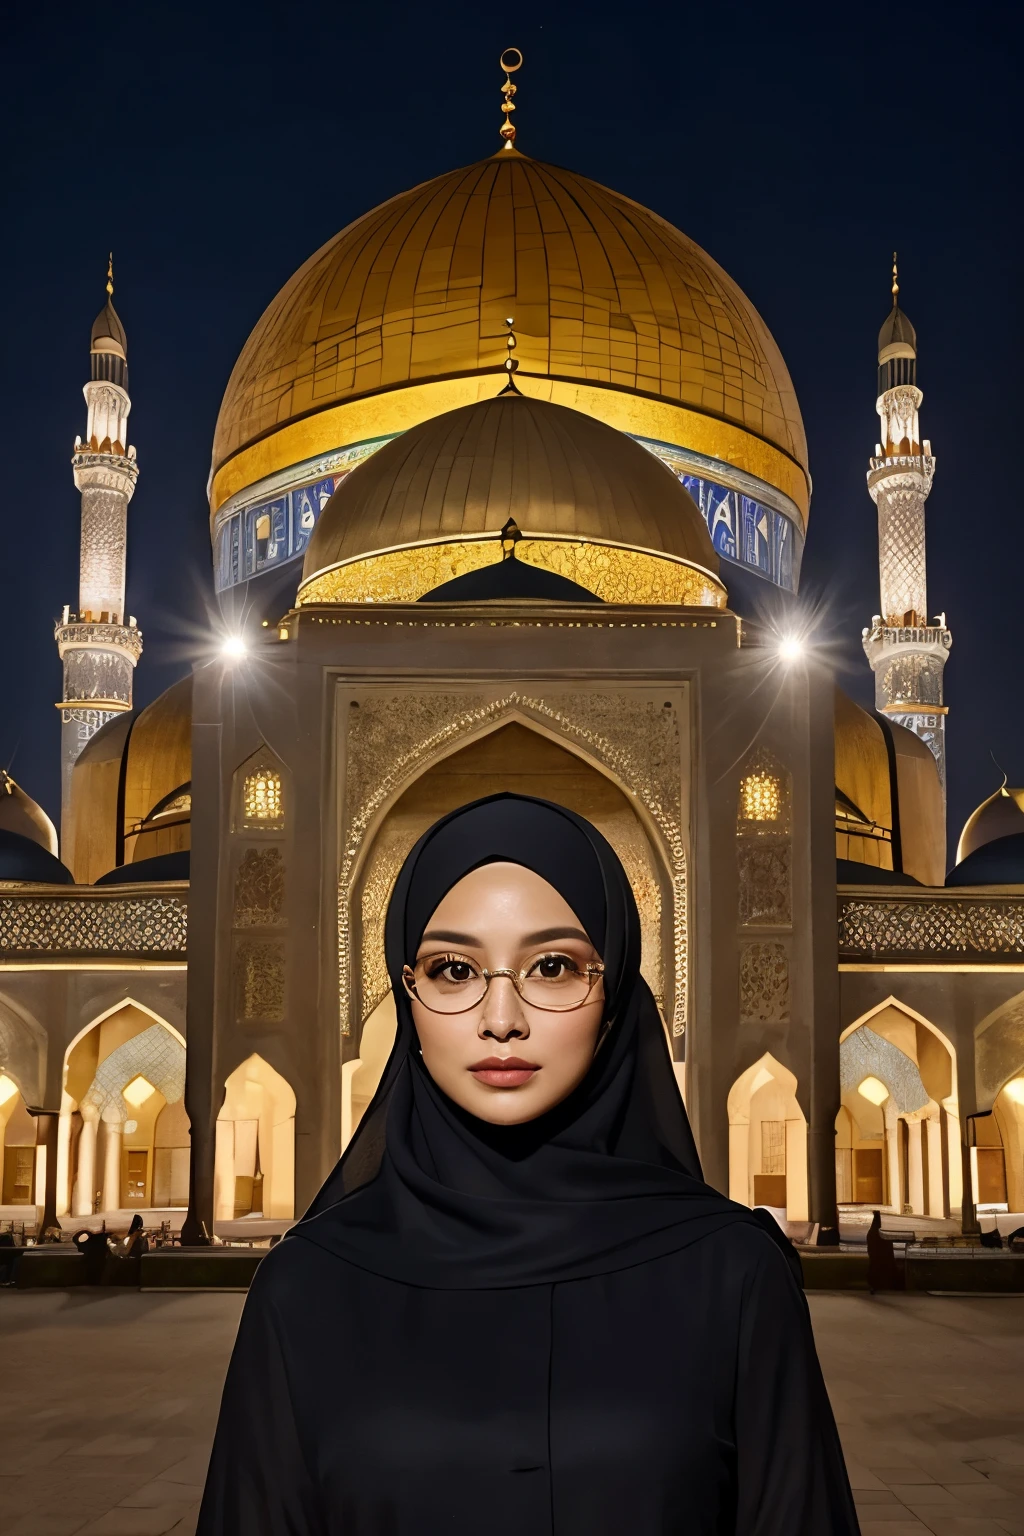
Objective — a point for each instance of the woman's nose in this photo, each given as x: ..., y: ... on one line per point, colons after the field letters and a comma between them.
x: 502, y: 1014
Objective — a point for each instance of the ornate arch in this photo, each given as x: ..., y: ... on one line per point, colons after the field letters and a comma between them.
x: 631, y: 739
x: 22, y: 1049
x: 999, y: 1049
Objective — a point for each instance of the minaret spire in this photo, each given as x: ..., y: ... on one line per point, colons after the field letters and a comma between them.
x: 98, y: 647
x: 906, y: 652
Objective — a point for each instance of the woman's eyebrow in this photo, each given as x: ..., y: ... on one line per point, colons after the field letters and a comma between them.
x: 548, y: 935
x: 545, y: 936
x: 443, y: 936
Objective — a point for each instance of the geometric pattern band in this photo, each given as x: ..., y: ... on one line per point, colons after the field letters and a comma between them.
x: 930, y: 929
x: 93, y: 927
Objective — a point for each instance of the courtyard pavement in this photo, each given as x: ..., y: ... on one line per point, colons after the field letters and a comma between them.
x: 108, y: 1401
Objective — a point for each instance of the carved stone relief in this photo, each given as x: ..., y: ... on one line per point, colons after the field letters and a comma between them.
x: 766, y: 885
x: 764, y: 983
x: 259, y: 889
x: 389, y: 737
x: 259, y: 981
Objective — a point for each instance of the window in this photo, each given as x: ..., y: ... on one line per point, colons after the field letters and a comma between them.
x: 760, y: 797
x: 262, y: 799
x: 773, y: 1146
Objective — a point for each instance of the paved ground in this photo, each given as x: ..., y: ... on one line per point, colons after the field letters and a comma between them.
x: 108, y: 1403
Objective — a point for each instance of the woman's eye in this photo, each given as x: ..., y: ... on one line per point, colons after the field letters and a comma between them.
x: 554, y: 968
x: 450, y: 969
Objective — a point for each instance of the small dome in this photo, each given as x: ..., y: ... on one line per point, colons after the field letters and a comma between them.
x: 123, y: 776
x: 1001, y: 815
x: 999, y: 862
x: 24, y: 860
x: 19, y: 813
x: 568, y: 481
x: 897, y: 338
x: 108, y: 334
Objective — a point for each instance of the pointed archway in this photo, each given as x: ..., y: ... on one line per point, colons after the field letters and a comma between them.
x: 768, y: 1140
x: 254, y: 1168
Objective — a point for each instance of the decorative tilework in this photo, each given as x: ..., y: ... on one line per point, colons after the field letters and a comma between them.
x: 930, y: 928
x: 139, y: 927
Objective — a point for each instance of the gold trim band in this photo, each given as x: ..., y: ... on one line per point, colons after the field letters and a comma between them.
x: 396, y: 410
x: 614, y: 573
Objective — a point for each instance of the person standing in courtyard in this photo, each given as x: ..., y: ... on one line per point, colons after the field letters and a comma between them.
x: 515, y: 1307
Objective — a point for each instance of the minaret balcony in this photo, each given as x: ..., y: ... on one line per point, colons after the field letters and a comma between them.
x: 883, y: 640
x: 908, y: 472
x: 112, y: 471
x: 78, y: 633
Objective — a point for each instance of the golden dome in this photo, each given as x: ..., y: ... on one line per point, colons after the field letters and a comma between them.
x: 1001, y: 815
x: 590, y: 503
x: 401, y: 316
x: 20, y: 813
x: 121, y: 776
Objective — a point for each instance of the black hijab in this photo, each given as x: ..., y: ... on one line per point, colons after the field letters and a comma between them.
x: 429, y: 1195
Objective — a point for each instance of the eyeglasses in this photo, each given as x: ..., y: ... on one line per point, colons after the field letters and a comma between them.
x: 454, y: 984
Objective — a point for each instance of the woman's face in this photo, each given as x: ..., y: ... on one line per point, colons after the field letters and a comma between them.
x: 505, y: 1059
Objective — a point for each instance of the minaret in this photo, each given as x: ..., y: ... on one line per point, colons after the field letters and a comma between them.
x: 98, y: 648
x: 907, y: 654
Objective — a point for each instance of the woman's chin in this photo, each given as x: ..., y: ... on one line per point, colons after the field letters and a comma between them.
x: 505, y: 1106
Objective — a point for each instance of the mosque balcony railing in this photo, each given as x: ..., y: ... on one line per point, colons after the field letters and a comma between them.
x: 65, y: 924
x: 972, y: 926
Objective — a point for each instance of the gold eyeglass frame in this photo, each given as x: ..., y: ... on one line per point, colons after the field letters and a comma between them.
x: 517, y: 978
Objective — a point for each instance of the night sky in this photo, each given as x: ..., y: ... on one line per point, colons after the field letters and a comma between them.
x: 215, y: 146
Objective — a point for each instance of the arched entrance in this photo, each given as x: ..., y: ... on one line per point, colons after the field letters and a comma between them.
x: 898, y: 1130
x: 18, y: 1178
x: 254, y: 1168
x: 768, y: 1140
x: 997, y: 1158
x: 123, y: 1136
x: 510, y: 757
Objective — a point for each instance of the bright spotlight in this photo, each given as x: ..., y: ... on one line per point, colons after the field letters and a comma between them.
x: 790, y: 648
x: 234, y: 647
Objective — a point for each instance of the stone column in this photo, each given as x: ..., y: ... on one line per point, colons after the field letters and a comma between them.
x: 936, y: 1193
x: 915, y: 1168
x: 84, y: 1193
x: 203, y: 1092
x: 892, y: 1152
x: 112, y: 1165
x: 63, y: 1171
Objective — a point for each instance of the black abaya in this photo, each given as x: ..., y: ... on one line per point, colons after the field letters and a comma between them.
x: 541, y: 1330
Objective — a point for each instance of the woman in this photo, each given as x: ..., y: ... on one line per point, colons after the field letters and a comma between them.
x: 514, y: 1309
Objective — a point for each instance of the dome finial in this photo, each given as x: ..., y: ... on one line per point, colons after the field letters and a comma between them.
x: 110, y: 276
x: 511, y: 60
x: 511, y: 363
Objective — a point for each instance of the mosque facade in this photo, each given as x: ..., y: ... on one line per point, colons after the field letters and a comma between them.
x: 509, y: 491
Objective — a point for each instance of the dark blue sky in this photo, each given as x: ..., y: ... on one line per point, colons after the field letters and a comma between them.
x: 215, y: 146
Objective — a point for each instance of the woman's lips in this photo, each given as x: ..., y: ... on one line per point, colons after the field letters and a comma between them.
x: 504, y: 1071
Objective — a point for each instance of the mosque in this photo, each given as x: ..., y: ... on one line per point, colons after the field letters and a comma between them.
x: 509, y: 490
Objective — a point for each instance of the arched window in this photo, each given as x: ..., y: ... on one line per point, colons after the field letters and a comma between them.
x: 262, y: 799
x: 260, y: 794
